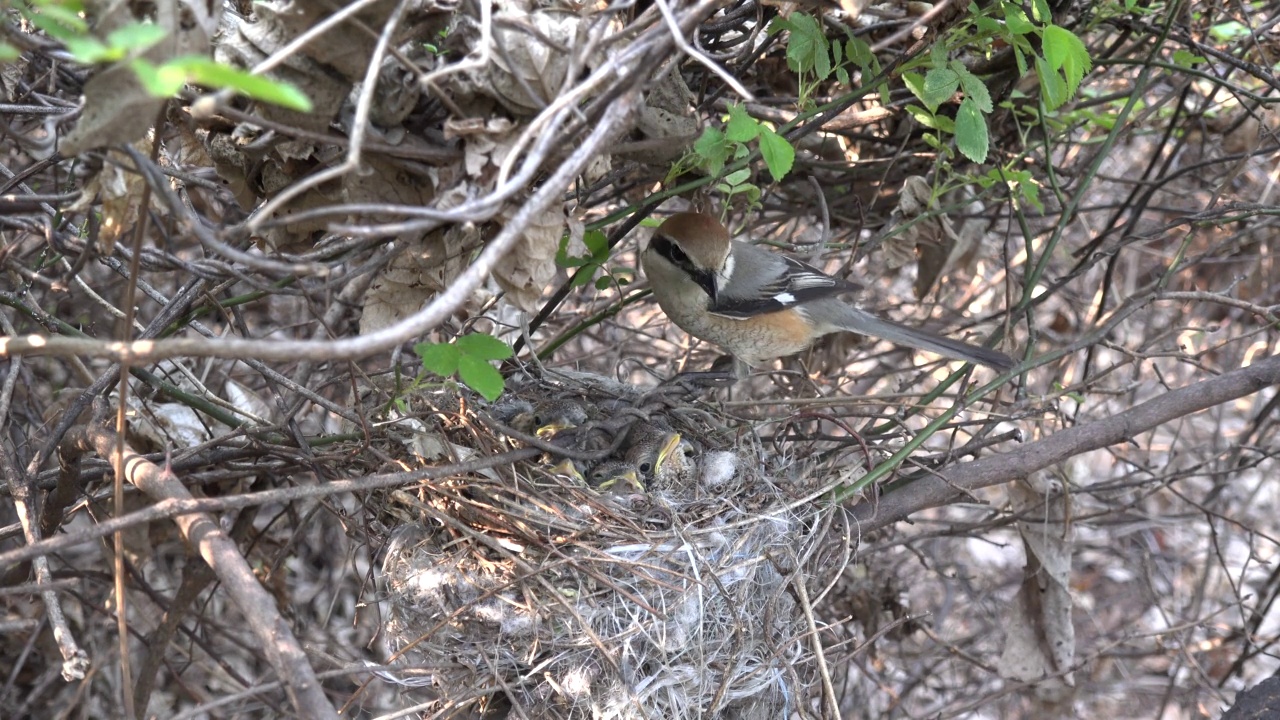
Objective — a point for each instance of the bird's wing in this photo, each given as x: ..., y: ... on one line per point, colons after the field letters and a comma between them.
x: 788, y: 283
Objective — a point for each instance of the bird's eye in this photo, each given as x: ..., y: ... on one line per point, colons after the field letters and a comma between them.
x: 537, y: 420
x: 645, y: 467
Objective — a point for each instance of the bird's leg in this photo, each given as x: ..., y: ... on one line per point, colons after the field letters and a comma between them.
x: 721, y: 374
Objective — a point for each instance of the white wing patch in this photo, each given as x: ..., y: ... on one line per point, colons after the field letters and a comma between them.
x: 785, y: 298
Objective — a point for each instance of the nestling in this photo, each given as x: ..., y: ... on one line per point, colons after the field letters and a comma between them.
x: 759, y: 305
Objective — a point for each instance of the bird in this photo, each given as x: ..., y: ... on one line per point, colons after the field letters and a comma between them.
x: 547, y: 418
x: 663, y: 458
x: 616, y: 477
x: 758, y: 305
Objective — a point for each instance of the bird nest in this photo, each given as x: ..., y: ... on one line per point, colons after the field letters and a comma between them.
x: 525, y: 585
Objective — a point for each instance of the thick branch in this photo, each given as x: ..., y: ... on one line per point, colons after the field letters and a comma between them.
x: 955, y: 481
x: 206, y: 536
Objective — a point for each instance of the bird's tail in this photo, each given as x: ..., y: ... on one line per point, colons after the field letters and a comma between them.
x: 864, y: 323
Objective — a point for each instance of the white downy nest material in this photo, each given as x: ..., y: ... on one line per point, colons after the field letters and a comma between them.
x: 570, y: 604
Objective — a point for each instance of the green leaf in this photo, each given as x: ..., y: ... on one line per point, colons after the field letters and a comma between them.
x: 1017, y: 20
x: 604, y: 282
x: 778, y: 154
x: 439, y: 358
x: 859, y: 52
x: 922, y: 116
x: 1186, y: 58
x: 1040, y: 11
x: 159, y: 81
x: 1052, y: 87
x: 939, y: 85
x: 971, y: 131
x: 204, y: 71
x: 60, y: 22
x: 1063, y: 50
x: 9, y: 52
x: 485, y: 347
x: 597, y: 243
x: 136, y: 36
x: 973, y: 87
x: 741, y: 126
x: 914, y: 83
x: 843, y: 76
x: 88, y: 51
x: 584, y: 275
x: 738, y: 177
x: 807, y: 46
x: 713, y: 149
x: 480, y: 376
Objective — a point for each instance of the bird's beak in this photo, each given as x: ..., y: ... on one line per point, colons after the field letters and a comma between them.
x: 628, y: 478
x: 668, y: 447
x: 548, y: 431
x: 566, y: 468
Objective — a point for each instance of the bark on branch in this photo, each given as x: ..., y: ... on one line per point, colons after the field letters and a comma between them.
x: 954, y: 482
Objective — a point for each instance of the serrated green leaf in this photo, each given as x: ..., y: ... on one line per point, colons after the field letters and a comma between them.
x: 136, y: 36
x: 738, y: 177
x: 204, y: 71
x: 159, y: 81
x: 741, y: 126
x: 597, y: 244
x: 843, y: 76
x: 712, y: 149
x: 859, y: 52
x: 988, y: 25
x: 1053, y: 89
x: 922, y: 116
x: 777, y: 152
x: 483, y: 346
x: 480, y: 376
x: 940, y: 84
x: 914, y: 83
x: 971, y: 131
x: 439, y: 358
x: 1064, y: 51
x: 1021, y: 57
x: 973, y: 87
x: 807, y: 46
x: 1016, y: 20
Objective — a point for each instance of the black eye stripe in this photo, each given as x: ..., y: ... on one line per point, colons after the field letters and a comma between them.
x: 672, y: 252
x: 706, y: 279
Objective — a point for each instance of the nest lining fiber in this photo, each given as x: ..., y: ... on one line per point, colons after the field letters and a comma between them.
x: 528, y: 588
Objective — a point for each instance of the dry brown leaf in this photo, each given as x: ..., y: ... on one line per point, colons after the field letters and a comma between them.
x: 525, y: 271
x: 117, y: 108
x: 486, y: 144
x: 531, y: 59
x: 417, y: 274
x: 119, y: 191
x: 1040, y: 638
